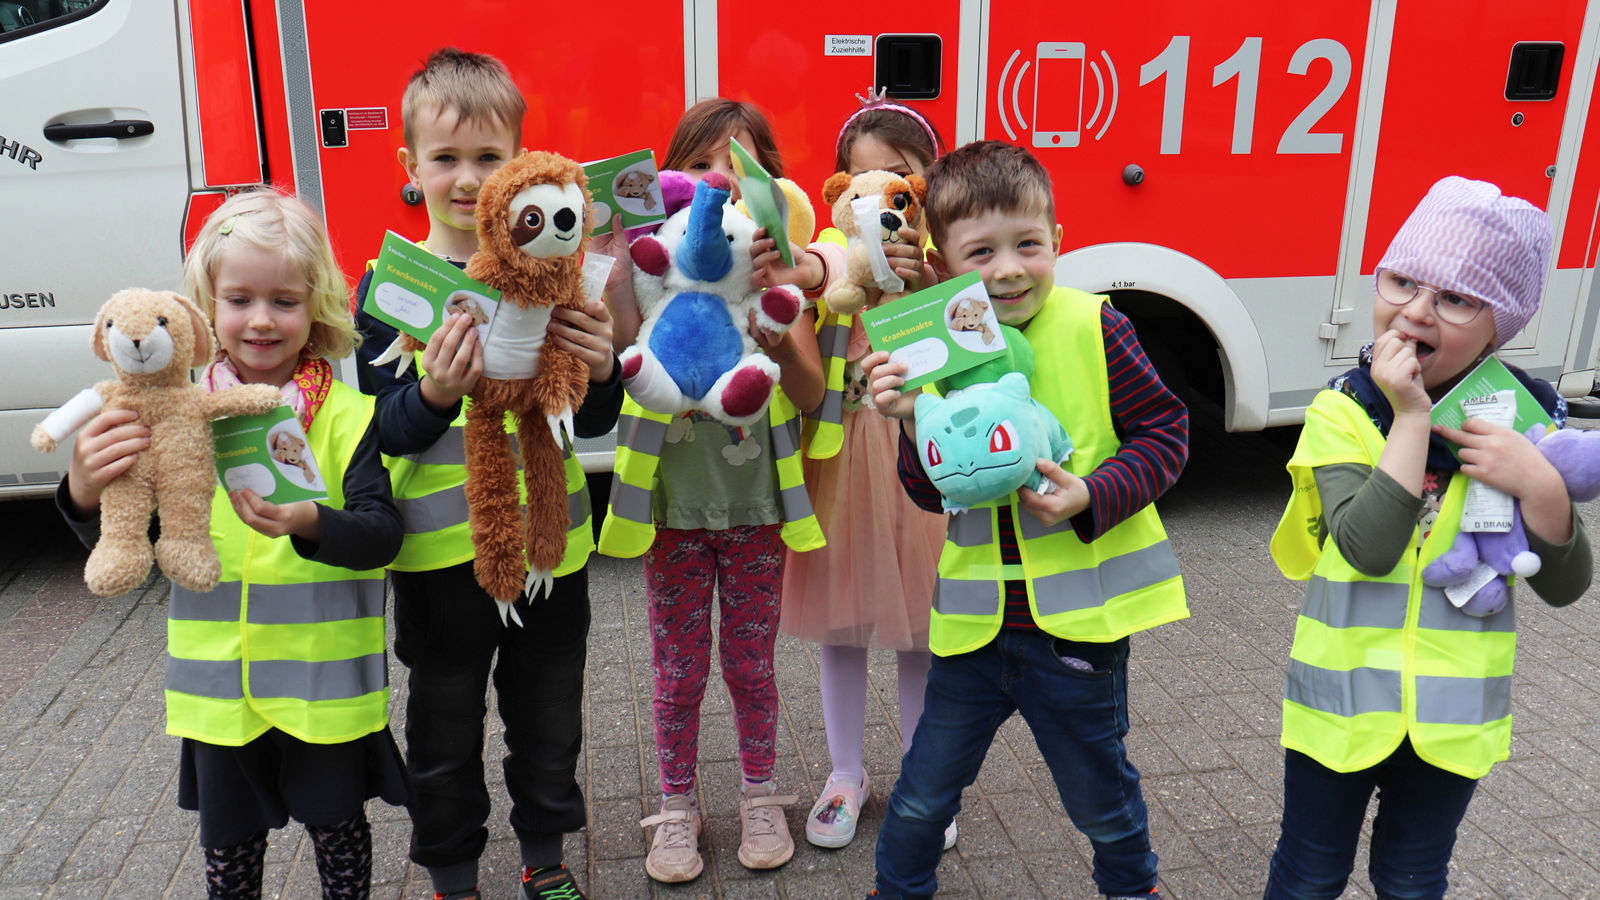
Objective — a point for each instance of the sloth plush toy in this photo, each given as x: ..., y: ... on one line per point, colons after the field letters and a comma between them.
x: 532, y: 230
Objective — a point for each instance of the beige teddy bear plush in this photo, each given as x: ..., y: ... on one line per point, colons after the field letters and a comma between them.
x: 900, y: 202
x: 152, y: 339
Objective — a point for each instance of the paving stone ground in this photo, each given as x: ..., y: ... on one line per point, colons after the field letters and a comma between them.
x: 88, y: 776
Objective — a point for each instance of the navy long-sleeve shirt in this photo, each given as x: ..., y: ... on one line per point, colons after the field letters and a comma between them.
x: 1153, y: 427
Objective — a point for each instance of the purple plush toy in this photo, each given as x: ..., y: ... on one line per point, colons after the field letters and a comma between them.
x: 677, y: 190
x: 1576, y: 455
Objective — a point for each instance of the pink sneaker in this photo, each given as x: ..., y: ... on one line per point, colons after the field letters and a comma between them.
x: 675, y: 848
x: 764, y: 833
x: 833, y: 818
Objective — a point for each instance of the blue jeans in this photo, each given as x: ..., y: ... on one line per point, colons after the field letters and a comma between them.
x: 1419, y: 808
x: 1078, y: 715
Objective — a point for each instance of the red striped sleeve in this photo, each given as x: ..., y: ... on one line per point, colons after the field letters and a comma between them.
x: 1153, y: 425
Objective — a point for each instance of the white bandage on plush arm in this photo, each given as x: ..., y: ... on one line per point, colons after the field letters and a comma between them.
x: 73, y: 414
x: 866, y: 210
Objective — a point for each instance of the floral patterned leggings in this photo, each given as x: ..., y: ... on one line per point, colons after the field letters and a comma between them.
x: 745, y: 565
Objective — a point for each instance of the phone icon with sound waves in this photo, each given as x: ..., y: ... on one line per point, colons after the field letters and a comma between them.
x: 1058, y: 73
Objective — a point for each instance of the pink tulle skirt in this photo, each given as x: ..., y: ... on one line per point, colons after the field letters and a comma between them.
x: 872, y: 585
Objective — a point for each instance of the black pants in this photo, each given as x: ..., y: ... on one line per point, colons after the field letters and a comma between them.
x: 448, y: 631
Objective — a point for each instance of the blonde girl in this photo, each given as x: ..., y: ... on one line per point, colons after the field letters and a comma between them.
x: 277, y: 679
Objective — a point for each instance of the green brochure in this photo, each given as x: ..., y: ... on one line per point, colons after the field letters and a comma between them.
x: 269, y: 455
x: 626, y: 184
x: 938, y: 331
x: 414, y: 290
x: 1477, y: 391
x: 763, y: 198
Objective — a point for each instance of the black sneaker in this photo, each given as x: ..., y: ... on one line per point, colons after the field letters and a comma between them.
x: 471, y: 894
x: 553, y: 883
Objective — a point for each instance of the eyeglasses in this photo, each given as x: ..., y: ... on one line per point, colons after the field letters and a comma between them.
x: 1449, y: 306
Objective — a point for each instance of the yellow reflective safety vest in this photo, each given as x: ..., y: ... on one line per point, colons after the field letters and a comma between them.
x: 823, y: 434
x: 1377, y: 658
x: 824, y: 429
x: 629, y: 527
x: 1124, y: 581
x: 430, y: 491
x: 281, y: 642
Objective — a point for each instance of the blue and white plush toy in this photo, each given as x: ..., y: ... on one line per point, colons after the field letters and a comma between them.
x: 982, y: 442
x: 692, y: 285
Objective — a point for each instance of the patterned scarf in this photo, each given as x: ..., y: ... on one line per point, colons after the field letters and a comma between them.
x: 304, y: 393
x: 1357, y: 383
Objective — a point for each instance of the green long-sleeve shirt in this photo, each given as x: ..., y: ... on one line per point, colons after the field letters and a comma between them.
x: 1369, y: 517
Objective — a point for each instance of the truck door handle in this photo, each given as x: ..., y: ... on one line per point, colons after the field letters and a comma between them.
x: 117, y: 128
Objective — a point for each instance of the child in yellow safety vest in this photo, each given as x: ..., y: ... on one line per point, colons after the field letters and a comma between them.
x: 712, y: 507
x: 277, y: 678
x: 462, y: 116
x: 1038, y: 592
x: 1391, y: 687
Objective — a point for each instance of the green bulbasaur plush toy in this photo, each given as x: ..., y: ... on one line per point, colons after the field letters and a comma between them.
x: 983, y: 439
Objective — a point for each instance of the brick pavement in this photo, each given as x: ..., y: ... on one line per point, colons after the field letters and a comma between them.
x: 88, y: 777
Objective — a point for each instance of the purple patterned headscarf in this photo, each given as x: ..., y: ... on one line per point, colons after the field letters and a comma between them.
x: 1466, y: 236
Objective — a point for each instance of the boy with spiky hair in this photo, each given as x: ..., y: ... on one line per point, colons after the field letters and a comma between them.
x: 1038, y: 593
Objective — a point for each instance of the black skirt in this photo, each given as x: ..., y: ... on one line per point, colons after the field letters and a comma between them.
x: 242, y: 791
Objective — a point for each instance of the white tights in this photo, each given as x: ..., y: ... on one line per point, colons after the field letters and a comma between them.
x: 843, y: 671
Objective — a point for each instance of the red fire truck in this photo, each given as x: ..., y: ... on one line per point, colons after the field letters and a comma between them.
x: 1229, y: 171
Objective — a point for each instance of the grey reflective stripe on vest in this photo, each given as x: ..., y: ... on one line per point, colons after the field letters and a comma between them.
x: 1463, y: 701
x: 641, y: 434
x: 786, y: 438
x: 318, y: 601
x: 1088, y: 588
x: 206, y: 677
x: 449, y: 507
x: 956, y: 597
x: 1356, y: 604
x: 337, y: 679
x: 1440, y: 614
x: 449, y: 450
x: 435, y: 511
x: 1031, y: 528
x: 973, y: 528
x: 831, y: 410
x: 1343, y: 693
x: 796, y: 503
x: 282, y: 604
x: 311, y: 681
x: 578, y: 508
x: 221, y: 604
x: 629, y: 501
x: 834, y: 341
